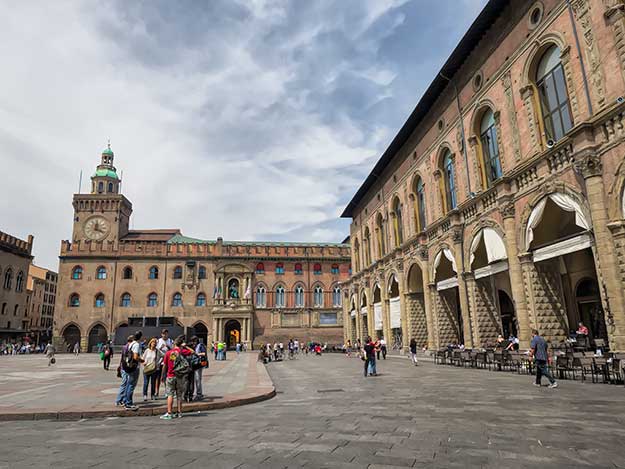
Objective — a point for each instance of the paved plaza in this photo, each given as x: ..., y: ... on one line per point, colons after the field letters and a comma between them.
x: 326, y: 414
x: 77, y: 387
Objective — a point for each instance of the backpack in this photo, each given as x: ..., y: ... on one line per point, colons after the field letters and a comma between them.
x: 181, y: 365
x: 129, y: 364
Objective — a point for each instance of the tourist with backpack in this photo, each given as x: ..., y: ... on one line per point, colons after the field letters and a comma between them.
x: 202, y: 353
x: 175, y: 371
x: 129, y: 370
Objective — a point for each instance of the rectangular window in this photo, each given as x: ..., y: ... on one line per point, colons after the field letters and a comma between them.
x: 327, y: 319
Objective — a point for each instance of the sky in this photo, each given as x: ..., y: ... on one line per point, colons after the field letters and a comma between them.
x: 245, y: 119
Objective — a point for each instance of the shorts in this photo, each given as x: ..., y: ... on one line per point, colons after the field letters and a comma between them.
x: 175, y: 387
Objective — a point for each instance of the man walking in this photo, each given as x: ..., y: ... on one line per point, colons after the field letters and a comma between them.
x: 50, y: 351
x: 538, y: 350
x: 413, y: 351
x: 369, y: 351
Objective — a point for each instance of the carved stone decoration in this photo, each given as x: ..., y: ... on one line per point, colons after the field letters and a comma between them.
x: 423, y: 253
x: 476, y: 161
x: 456, y: 235
x: 512, y: 119
x: 615, y: 15
x: 508, y: 210
x: 582, y: 13
x: 527, y: 93
x: 588, y: 165
x: 565, y: 58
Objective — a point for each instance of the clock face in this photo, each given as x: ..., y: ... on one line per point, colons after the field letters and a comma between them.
x: 97, y: 228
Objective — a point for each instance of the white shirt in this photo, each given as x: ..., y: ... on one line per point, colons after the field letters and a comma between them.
x: 135, y: 347
x: 164, y: 344
x: 382, y: 342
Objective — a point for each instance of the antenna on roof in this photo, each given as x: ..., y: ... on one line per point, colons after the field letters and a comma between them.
x: 80, y: 181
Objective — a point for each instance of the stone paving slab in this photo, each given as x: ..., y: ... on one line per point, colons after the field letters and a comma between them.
x: 78, y: 387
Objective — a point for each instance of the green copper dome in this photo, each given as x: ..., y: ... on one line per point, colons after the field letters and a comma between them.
x: 109, y: 173
x: 108, y: 151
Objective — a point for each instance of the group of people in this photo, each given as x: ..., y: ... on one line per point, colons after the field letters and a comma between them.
x: 275, y: 352
x: 176, y: 364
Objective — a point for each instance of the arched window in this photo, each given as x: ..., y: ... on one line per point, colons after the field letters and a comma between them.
x: 261, y: 296
x: 152, y: 300
x: 178, y: 272
x: 99, y: 300
x: 299, y: 296
x: 419, y: 191
x: 336, y: 297
x: 279, y: 268
x: 125, y: 301
x: 318, y: 297
x: 280, y: 297
x: 200, y: 300
x: 367, y: 247
x: 201, y: 273
x: 449, y: 181
x: 490, y: 149
x: 176, y: 299
x: 553, y: 95
x: 397, y: 222
x: 379, y: 235
x: 260, y: 268
x: 8, y: 278
x: 100, y: 187
x: 74, y: 300
x: 100, y: 273
x: 77, y: 273
x: 334, y: 269
x: 317, y: 269
x: 19, y: 282
x: 127, y: 273
x: 153, y: 273
x: 110, y: 187
x: 298, y: 269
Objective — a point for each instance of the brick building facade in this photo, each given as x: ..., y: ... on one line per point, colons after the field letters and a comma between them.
x: 498, y: 207
x: 41, y: 286
x: 15, y: 257
x: 251, y: 292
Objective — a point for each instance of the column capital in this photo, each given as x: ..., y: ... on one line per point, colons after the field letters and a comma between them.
x: 526, y: 258
x: 507, y: 209
x: 468, y: 276
x: 588, y: 164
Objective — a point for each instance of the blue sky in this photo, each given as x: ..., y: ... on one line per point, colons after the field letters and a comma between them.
x: 250, y: 120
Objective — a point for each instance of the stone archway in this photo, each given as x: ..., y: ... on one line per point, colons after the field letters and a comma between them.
x: 71, y: 335
x: 232, y: 333
x: 201, y: 332
x: 447, y: 299
x: 97, y: 337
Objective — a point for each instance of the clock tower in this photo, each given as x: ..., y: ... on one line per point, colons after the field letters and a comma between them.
x: 104, y: 214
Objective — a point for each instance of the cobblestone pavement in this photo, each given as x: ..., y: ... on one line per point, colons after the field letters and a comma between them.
x: 326, y: 414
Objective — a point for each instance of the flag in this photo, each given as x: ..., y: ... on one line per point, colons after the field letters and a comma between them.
x: 248, y: 292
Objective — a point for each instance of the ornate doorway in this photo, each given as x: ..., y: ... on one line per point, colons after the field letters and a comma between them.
x: 71, y: 335
x: 232, y: 333
x: 97, y: 336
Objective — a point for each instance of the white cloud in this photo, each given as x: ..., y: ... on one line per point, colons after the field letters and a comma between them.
x: 226, y: 122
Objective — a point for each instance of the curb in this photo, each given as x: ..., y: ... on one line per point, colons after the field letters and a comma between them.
x: 141, y: 412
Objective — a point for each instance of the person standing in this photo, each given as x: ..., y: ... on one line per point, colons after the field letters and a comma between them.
x: 164, y: 343
x: 76, y: 349
x: 370, y: 351
x: 130, y: 370
x: 383, y: 348
x: 413, y: 351
x: 200, y: 351
x: 50, y: 351
x: 538, y: 350
x: 108, y: 354
x: 151, y: 373
x: 174, y: 373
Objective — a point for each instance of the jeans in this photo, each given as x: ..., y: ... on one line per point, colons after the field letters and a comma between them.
x: 133, y: 377
x: 188, y: 390
x: 384, y: 352
x: 150, y: 380
x: 542, y: 370
x: 121, y: 395
x: 107, y: 362
x: 372, y: 369
x: 413, y: 357
x: 198, y: 382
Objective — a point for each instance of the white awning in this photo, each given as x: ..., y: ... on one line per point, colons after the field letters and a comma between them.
x: 353, y: 313
x: 577, y: 243
x: 395, y: 311
x: 491, y: 269
x: 449, y: 255
x: 447, y: 284
x: 363, y: 310
x: 565, y: 202
x: 377, y: 316
x: 495, y: 247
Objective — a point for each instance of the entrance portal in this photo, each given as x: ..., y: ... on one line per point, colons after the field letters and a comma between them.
x: 232, y: 333
x: 97, y: 336
x: 71, y: 335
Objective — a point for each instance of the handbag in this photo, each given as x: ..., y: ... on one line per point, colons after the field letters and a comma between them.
x: 101, y: 355
x: 149, y: 368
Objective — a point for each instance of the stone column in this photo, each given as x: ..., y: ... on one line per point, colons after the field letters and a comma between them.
x: 431, y: 289
x: 359, y: 328
x: 429, y: 311
x: 403, y: 310
x: 462, y: 289
x: 515, y: 272
x: 386, y: 315
x: 611, y: 288
x: 469, y: 279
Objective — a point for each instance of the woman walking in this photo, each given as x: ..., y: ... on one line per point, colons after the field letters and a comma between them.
x: 413, y: 351
x: 152, y: 357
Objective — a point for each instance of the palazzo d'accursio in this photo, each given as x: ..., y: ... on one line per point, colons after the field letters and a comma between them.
x: 498, y: 207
